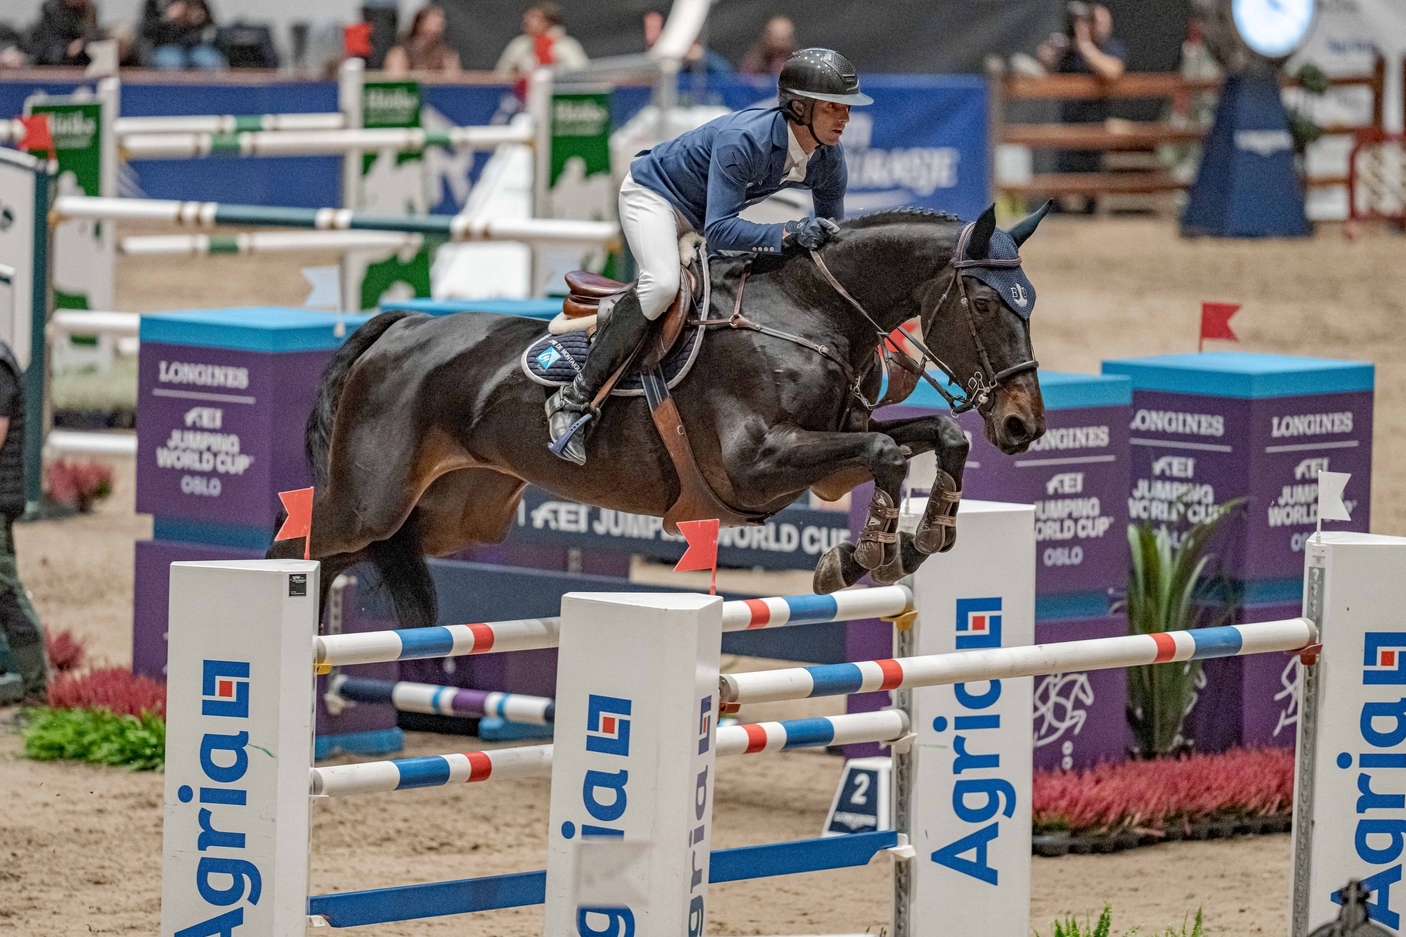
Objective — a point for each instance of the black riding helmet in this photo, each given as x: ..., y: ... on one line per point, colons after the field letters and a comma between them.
x: 812, y: 75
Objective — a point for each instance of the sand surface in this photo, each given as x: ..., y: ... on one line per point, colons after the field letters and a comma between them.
x: 80, y: 847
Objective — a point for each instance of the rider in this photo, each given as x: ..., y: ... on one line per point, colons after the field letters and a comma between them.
x: 700, y: 181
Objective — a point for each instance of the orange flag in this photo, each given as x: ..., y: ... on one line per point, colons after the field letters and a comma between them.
x: 702, y: 552
x: 1215, y: 322
x: 298, y: 504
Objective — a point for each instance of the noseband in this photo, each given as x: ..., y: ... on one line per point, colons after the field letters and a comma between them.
x: 979, y: 388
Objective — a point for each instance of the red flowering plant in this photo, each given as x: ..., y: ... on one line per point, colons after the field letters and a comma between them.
x: 78, y: 485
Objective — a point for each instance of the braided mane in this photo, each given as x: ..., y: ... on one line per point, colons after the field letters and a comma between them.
x: 899, y: 216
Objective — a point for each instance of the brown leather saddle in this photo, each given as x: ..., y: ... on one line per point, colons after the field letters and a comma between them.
x: 697, y: 500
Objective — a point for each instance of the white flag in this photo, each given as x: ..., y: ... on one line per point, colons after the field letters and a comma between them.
x: 1330, y: 496
x: 326, y: 283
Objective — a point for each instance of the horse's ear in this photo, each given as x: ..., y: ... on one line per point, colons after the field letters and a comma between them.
x: 980, y: 244
x: 1025, y: 227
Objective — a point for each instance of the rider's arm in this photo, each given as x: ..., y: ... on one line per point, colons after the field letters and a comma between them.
x: 829, y: 186
x: 729, y: 169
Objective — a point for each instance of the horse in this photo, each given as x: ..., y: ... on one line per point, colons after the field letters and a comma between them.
x: 425, y: 431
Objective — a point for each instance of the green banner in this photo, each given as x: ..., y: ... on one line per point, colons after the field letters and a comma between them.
x: 390, y: 104
x: 77, y: 133
x: 580, y: 128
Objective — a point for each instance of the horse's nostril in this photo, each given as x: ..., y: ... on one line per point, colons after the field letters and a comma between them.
x: 1016, y: 430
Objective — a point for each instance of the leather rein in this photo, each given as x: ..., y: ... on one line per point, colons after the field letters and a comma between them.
x: 979, y: 387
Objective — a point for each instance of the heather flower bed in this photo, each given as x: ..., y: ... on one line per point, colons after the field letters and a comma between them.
x: 104, y: 715
x: 1113, y: 807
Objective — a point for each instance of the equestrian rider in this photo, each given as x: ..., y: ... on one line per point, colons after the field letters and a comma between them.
x: 701, y: 181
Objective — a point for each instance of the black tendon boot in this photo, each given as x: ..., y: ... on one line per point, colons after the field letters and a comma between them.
x: 569, y: 409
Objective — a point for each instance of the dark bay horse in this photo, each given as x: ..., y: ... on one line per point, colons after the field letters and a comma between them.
x: 426, y: 431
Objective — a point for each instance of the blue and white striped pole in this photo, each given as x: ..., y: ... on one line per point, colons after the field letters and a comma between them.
x: 533, y: 761
x: 1032, y: 660
x: 337, y: 650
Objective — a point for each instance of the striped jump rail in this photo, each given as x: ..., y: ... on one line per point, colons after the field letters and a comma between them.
x: 319, y: 142
x: 228, y: 123
x: 535, y: 761
x: 1007, y: 662
x: 531, y: 633
x: 445, y: 700
x: 460, y: 227
x: 264, y: 242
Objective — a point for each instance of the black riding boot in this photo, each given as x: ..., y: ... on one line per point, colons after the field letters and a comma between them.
x: 569, y: 408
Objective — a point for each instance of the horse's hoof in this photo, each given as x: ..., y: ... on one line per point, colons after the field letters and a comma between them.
x: 950, y: 542
x: 836, y: 570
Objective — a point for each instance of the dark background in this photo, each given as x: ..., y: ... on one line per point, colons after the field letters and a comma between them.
x: 928, y: 36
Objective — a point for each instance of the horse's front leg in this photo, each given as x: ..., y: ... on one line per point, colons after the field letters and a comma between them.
x: 937, y: 530
x: 792, y: 459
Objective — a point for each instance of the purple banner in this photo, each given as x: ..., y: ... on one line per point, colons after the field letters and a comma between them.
x: 1076, y: 475
x: 1192, y: 451
x: 1080, y: 718
x: 221, y: 431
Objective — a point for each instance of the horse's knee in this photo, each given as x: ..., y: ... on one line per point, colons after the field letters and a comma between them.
x: 887, y: 462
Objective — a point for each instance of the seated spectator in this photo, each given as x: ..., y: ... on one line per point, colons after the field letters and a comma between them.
x: 64, y: 28
x: 543, y: 42
x: 423, y: 48
x: 181, y: 34
x: 777, y: 42
x: 1087, y: 47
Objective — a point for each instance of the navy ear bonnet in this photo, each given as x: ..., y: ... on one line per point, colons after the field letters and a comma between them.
x: 1015, y: 288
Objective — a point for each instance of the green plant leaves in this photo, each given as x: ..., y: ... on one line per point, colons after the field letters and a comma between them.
x: 97, y: 736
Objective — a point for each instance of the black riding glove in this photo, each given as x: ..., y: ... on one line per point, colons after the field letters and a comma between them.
x: 809, y: 233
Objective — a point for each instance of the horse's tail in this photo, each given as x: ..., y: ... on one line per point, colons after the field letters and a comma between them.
x: 318, y: 438
x: 399, y: 564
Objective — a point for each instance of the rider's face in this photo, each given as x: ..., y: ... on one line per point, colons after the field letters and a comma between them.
x: 828, y: 121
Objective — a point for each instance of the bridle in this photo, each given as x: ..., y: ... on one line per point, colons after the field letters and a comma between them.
x: 978, y: 390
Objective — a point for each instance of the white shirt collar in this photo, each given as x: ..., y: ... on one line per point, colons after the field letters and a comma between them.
x: 796, y: 158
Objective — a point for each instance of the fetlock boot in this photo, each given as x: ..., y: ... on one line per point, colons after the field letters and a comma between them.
x: 569, y: 409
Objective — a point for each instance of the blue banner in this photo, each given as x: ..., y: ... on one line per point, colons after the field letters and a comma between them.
x: 923, y: 142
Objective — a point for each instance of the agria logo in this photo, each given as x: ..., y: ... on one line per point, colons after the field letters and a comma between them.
x: 604, y: 795
x: 978, y: 623
x: 224, y: 689
x: 606, y: 731
x: 1383, y: 660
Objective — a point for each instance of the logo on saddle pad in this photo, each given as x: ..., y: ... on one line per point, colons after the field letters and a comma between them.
x: 547, y: 357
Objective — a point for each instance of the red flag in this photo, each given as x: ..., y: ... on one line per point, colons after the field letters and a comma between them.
x: 298, y: 504
x: 36, y: 133
x: 356, y: 40
x: 702, y: 552
x: 1215, y: 322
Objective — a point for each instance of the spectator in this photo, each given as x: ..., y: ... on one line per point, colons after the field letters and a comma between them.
x: 181, y: 34
x: 1087, y: 47
x: 775, y: 46
x: 423, y: 48
x: 21, y: 637
x: 64, y: 28
x: 543, y: 42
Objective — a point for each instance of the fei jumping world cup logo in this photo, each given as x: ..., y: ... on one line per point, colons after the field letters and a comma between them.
x: 978, y: 623
x: 224, y: 689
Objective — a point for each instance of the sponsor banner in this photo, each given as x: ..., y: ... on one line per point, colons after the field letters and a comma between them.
x: 793, y: 539
x: 1191, y: 452
x: 632, y: 767
x: 1349, y: 813
x: 20, y: 226
x: 238, y: 748
x: 922, y: 143
x: 972, y: 760
x: 1080, y: 718
x: 210, y: 417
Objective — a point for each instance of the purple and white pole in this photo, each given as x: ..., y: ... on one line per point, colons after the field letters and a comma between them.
x: 445, y: 700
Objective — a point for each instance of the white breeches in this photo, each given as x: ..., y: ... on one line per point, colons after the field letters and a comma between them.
x: 652, y: 228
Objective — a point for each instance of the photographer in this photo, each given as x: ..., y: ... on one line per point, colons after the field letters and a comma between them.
x: 1086, y: 47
